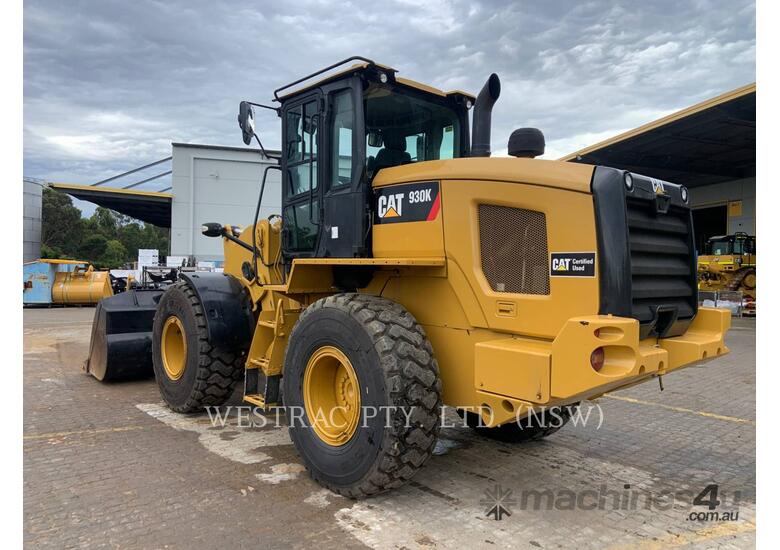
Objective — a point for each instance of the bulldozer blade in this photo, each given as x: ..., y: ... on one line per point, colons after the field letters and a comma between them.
x: 121, y: 343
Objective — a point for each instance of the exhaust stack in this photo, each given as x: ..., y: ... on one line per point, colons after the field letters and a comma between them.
x: 480, y: 125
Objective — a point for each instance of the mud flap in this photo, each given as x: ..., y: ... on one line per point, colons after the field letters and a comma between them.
x: 226, y: 307
x: 121, y: 343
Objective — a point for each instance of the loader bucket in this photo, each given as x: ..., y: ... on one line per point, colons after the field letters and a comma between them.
x: 121, y: 344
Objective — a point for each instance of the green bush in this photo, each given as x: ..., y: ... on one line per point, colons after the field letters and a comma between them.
x: 50, y: 252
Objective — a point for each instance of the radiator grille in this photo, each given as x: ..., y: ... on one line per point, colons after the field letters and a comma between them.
x: 662, y: 269
x: 513, y: 245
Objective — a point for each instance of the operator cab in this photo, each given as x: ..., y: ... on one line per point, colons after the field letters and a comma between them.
x: 338, y: 133
x: 404, y: 126
x: 737, y: 244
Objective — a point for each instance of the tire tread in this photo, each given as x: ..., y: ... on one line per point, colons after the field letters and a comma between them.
x: 412, y: 380
x: 218, y: 370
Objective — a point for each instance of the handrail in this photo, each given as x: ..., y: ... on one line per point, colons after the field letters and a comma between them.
x: 326, y: 69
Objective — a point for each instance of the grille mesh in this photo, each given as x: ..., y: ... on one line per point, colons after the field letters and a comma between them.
x: 513, y: 243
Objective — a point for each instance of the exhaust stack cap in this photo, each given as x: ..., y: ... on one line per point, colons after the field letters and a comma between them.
x: 480, y: 123
x: 526, y: 142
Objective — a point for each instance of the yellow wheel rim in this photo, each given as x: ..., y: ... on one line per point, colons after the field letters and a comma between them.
x: 331, y: 396
x: 174, y: 348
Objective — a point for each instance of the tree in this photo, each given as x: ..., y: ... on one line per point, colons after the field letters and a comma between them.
x: 104, y: 222
x: 132, y: 238
x: 49, y: 252
x: 93, y: 248
x: 114, y: 255
x: 156, y: 237
x: 62, y: 228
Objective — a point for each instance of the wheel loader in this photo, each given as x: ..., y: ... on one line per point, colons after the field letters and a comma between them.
x: 408, y: 270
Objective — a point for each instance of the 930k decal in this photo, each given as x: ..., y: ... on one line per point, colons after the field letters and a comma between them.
x: 414, y: 202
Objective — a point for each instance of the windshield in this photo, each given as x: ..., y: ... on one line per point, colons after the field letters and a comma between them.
x: 402, y: 128
x: 737, y: 246
x: 720, y: 248
x: 745, y: 245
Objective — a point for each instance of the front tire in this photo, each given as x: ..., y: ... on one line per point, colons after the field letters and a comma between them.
x: 190, y: 372
x: 367, y: 359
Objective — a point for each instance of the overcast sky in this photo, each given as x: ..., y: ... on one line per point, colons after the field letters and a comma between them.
x: 108, y: 85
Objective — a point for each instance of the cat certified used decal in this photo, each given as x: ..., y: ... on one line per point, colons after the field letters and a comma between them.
x: 573, y: 264
x: 413, y: 202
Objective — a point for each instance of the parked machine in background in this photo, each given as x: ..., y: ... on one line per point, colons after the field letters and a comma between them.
x: 408, y: 270
x: 64, y: 282
x: 729, y: 263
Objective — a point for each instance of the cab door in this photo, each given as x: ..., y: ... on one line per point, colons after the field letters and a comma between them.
x: 301, y: 168
x: 325, y: 203
x: 345, y: 215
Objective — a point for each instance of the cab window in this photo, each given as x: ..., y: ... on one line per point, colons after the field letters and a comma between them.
x: 720, y: 248
x: 341, y: 138
x: 301, y: 147
x: 402, y: 128
x: 302, y: 235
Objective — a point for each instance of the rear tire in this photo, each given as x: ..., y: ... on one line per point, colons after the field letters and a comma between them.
x: 527, y: 428
x: 381, y: 344
x: 190, y: 372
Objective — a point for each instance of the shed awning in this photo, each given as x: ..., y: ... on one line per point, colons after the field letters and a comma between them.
x: 710, y: 142
x: 148, y: 206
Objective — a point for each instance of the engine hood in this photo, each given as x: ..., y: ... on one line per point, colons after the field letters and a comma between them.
x: 549, y: 173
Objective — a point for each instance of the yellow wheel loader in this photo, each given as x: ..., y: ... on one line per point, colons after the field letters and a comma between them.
x: 408, y: 270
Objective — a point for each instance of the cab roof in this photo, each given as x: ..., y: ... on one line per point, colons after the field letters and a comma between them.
x: 363, y: 66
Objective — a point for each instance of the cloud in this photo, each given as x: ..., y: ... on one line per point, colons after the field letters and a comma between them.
x: 109, y: 84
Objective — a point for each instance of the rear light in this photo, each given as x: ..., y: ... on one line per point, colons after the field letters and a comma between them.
x: 597, y: 359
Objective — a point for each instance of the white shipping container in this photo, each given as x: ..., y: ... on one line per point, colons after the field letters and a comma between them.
x: 126, y: 272
x: 148, y: 257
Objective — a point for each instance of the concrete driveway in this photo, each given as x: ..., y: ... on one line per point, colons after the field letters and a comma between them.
x: 109, y: 465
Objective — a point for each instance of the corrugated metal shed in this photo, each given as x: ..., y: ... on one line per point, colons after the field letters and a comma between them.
x: 217, y: 184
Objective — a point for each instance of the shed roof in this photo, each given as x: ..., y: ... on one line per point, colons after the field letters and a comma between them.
x: 148, y: 206
x: 710, y: 142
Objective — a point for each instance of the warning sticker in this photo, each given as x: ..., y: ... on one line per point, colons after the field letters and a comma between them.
x: 414, y: 202
x: 573, y: 264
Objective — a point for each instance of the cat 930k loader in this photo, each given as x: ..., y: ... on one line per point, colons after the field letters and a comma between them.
x: 408, y: 270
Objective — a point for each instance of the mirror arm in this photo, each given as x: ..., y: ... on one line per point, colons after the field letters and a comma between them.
x: 239, y: 242
x: 251, y: 115
x: 263, y: 149
x: 277, y: 110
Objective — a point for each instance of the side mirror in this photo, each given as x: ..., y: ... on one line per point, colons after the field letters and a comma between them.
x: 246, y: 121
x: 212, y: 229
x: 374, y: 139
